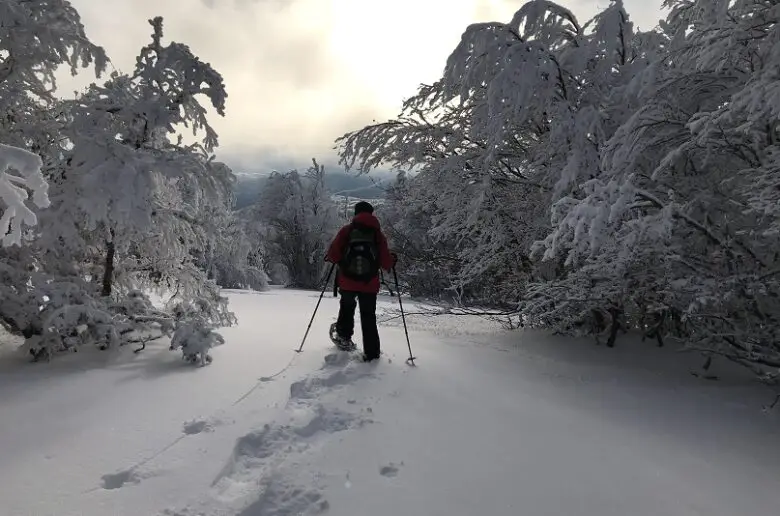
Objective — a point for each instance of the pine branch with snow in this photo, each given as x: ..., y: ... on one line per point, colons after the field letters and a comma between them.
x: 197, y: 321
x: 20, y: 173
x: 36, y: 37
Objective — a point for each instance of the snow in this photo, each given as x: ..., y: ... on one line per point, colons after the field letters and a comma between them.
x: 489, y: 422
x: 13, y: 193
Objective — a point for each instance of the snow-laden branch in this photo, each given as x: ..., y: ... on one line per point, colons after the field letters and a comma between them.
x: 20, y: 171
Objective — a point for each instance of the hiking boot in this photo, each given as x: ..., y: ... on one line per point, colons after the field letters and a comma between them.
x: 344, y: 344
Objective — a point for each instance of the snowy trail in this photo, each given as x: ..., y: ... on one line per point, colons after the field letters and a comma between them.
x: 488, y: 423
x: 468, y: 435
x: 69, y: 423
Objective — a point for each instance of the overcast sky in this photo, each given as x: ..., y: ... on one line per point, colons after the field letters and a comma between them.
x: 300, y: 73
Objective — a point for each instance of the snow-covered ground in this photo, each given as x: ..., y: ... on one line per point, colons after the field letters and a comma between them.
x: 488, y: 423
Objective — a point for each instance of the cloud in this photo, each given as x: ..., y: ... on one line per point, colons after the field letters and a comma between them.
x: 286, y: 88
x: 300, y: 73
x: 644, y: 14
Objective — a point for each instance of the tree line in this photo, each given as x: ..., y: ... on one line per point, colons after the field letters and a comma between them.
x: 590, y: 178
x: 581, y: 177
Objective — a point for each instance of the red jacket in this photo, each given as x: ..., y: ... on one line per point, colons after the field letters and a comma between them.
x: 335, y: 253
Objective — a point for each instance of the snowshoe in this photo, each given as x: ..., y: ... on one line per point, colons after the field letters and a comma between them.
x: 340, y: 342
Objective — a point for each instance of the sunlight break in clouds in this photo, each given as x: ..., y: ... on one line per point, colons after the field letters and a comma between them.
x: 300, y: 73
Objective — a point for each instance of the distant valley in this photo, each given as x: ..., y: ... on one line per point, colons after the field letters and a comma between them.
x: 340, y: 184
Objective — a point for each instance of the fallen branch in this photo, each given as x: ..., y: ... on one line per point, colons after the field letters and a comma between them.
x: 772, y: 405
x: 459, y: 312
x: 143, y: 341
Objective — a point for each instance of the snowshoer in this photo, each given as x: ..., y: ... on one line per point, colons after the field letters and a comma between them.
x: 360, y: 250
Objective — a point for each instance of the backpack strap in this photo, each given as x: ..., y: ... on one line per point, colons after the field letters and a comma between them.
x: 348, y: 231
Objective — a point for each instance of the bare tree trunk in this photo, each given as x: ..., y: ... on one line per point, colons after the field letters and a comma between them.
x: 615, y: 326
x: 108, y: 271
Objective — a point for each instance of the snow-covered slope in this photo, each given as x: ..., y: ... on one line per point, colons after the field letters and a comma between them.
x: 488, y: 423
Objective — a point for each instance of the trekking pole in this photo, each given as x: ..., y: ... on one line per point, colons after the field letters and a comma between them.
x: 411, y: 358
x: 324, y: 288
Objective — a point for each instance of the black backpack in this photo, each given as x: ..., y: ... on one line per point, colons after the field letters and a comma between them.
x: 360, y: 260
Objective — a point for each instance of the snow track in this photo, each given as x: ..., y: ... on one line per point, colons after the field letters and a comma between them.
x: 531, y: 424
x: 257, y: 475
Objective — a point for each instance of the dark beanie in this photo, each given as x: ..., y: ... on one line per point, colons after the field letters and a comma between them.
x: 363, y: 207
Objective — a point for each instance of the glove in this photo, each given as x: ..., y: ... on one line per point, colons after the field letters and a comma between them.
x: 395, y: 258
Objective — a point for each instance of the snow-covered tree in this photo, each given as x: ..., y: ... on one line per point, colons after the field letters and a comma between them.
x: 607, y: 178
x: 129, y: 178
x: 233, y: 260
x: 687, y: 181
x: 499, y: 137
x: 131, y: 207
x: 36, y: 38
x: 230, y: 256
x: 20, y: 172
x: 300, y: 219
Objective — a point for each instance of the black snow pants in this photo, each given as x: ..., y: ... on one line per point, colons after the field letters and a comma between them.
x: 345, y: 324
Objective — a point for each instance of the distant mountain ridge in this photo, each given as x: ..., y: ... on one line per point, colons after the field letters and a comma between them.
x: 340, y: 184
